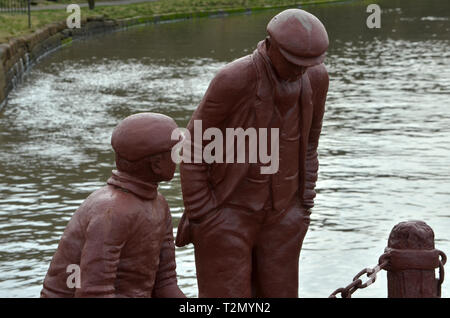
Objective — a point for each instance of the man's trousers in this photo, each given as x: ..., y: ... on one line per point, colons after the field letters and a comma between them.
x: 241, y: 253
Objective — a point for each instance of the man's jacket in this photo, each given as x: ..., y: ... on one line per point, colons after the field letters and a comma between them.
x: 121, y: 239
x: 241, y: 95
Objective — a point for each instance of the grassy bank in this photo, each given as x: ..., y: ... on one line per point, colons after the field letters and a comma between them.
x: 17, y: 25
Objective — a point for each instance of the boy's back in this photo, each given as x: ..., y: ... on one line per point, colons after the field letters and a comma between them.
x: 121, y: 238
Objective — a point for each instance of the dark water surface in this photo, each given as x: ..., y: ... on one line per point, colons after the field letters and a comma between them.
x: 384, y: 152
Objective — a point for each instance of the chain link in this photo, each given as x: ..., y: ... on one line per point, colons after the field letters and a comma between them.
x: 357, y: 282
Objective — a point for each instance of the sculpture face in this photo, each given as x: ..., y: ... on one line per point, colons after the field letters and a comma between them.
x: 163, y: 166
x: 286, y: 70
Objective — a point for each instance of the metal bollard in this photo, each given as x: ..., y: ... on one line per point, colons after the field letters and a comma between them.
x: 412, y: 260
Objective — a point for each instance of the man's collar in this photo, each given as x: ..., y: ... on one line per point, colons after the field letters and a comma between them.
x: 262, y: 50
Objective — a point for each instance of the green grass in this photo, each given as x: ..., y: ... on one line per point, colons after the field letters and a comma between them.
x: 17, y: 25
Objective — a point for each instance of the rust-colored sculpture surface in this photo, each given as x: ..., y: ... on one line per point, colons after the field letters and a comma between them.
x: 248, y: 227
x: 121, y: 236
x: 412, y: 262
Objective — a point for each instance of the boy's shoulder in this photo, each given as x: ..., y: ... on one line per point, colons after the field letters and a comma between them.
x: 110, y: 198
x: 120, y: 204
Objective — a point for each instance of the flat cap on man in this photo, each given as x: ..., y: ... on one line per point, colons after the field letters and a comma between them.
x: 301, y: 37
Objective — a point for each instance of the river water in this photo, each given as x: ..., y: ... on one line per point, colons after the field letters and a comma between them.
x: 384, y: 151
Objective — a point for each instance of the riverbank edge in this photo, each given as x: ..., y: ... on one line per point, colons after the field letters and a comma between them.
x: 20, y: 53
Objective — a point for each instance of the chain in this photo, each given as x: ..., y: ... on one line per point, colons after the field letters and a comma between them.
x: 442, y: 262
x: 371, y: 273
x: 357, y: 282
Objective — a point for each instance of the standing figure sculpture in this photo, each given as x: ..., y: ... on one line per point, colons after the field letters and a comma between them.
x: 121, y: 237
x: 247, y: 227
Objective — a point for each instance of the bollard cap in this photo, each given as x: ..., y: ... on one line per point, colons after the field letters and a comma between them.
x: 411, y: 235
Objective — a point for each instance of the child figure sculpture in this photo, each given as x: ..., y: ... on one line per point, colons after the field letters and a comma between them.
x: 121, y: 237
